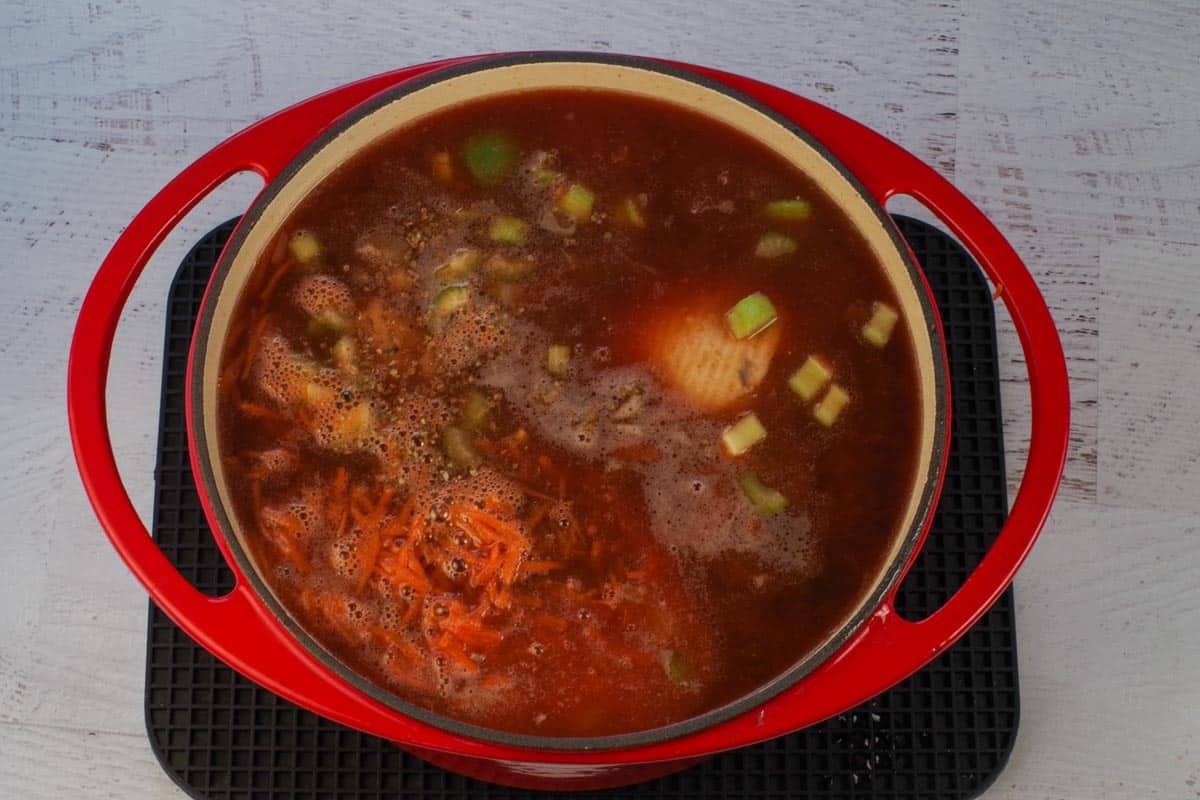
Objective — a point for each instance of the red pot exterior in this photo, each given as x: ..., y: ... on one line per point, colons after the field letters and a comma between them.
x: 550, y: 777
x: 242, y: 631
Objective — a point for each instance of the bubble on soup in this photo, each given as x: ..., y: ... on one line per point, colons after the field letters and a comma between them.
x: 317, y: 293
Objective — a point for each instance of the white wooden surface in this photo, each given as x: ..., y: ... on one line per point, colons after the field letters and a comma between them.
x: 1075, y: 125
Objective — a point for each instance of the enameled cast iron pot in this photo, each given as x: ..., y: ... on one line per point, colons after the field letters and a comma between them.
x: 296, y: 148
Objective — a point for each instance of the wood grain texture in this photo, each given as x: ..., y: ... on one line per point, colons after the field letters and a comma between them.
x: 1074, y: 125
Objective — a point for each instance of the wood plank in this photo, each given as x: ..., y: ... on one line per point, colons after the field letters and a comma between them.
x: 40, y: 762
x: 1073, y: 125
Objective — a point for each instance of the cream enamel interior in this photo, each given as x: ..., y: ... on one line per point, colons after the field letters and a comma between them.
x: 585, y: 75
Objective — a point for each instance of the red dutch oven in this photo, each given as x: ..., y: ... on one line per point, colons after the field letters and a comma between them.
x: 295, y: 149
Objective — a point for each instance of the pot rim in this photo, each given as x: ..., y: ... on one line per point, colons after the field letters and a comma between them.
x: 888, y: 578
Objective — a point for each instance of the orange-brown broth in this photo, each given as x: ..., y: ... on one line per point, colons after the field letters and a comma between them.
x: 667, y: 598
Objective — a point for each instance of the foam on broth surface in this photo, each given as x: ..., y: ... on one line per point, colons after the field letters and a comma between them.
x: 473, y: 405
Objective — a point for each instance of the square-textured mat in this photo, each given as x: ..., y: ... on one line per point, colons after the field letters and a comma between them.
x: 943, y: 734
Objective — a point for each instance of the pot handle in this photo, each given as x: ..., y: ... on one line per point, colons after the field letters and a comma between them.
x: 237, y: 628
x: 890, y: 648
x: 886, y: 169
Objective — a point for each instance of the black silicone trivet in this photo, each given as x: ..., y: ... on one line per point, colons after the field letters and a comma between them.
x: 944, y: 733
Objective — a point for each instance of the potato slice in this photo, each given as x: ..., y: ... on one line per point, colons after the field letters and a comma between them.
x: 698, y: 356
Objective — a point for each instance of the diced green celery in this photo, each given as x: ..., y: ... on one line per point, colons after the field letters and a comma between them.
x: 490, y: 157
x: 751, y: 314
x: 878, y: 329
x: 457, y: 445
x: 328, y: 322
x: 774, y: 245
x: 576, y: 202
x: 508, y: 230
x: 630, y: 212
x: 558, y: 359
x: 809, y: 379
x: 459, y: 265
x: 318, y: 394
x: 630, y: 407
x: 505, y: 293
x: 449, y: 300
x: 352, y: 425
x: 305, y: 246
x: 827, y: 411
x: 743, y: 434
x: 475, y: 410
x: 345, y: 355
x: 546, y: 176
x: 302, y: 365
x: 788, y: 210
x: 678, y: 668
x: 504, y: 268
x: 762, y: 498
x: 541, y: 166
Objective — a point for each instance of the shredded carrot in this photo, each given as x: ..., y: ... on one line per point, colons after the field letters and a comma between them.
x: 473, y: 533
x: 638, y: 453
x: 381, y: 633
x: 256, y: 410
x: 417, y: 680
x: 293, y: 550
x: 499, y: 529
x: 489, y: 570
x: 269, y: 289
x: 541, y: 567
x: 238, y: 329
x: 368, y: 557
x: 394, y: 639
x: 512, y: 562
x: 478, y: 637
x: 552, y: 623
x: 499, y: 595
x: 282, y: 528
x: 529, y: 490
x: 252, y: 346
x: 411, y: 613
x: 499, y: 506
x: 536, y: 517
x: 399, y: 525
x: 406, y: 648
x: 396, y: 529
x: 370, y: 530
x: 403, y: 567
x: 460, y: 658
x: 233, y: 369
x: 340, y: 480
x: 304, y: 417
x: 416, y: 579
x: 296, y: 553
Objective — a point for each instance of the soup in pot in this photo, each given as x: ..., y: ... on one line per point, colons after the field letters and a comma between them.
x: 569, y: 413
